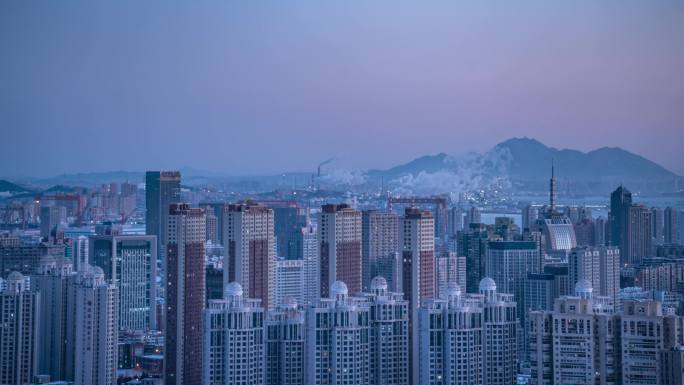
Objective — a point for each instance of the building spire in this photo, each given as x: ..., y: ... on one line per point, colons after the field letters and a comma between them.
x: 552, y: 188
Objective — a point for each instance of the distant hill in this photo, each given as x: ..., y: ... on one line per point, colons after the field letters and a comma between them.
x: 531, y: 159
x: 524, y: 164
x: 517, y: 165
x: 9, y: 187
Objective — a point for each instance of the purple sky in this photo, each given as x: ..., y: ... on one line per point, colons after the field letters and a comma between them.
x: 251, y: 87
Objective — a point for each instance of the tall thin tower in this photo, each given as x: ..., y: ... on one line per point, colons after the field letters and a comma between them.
x: 552, y: 190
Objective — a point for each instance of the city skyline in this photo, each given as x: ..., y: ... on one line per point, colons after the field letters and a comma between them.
x: 142, y: 82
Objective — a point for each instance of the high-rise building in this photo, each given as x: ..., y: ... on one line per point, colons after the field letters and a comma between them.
x: 51, y: 217
x: 637, y: 242
x: 472, y: 244
x: 585, y: 232
x: 339, y: 239
x: 530, y: 215
x: 338, y: 339
x: 575, y: 343
x: 664, y: 276
x: 449, y: 268
x: 212, y: 225
x: 417, y: 237
x: 583, y: 342
x: 217, y: 209
x: 456, y: 356
x: 542, y: 289
x: 25, y: 257
x: 290, y: 281
x: 214, y: 282
x: 185, y: 294
x: 285, y: 345
x: 672, y: 366
x: 472, y: 216
x: 233, y: 340
x: 658, y: 225
x: 52, y: 280
x: 81, y: 249
x: 506, y: 228
x: 91, y: 329
x: 598, y: 265
x: 312, y: 275
x: 249, y: 246
x: 508, y: 263
x: 641, y: 349
x: 389, y: 323
x: 19, y: 334
x: 391, y: 266
x: 380, y: 235
x: 162, y: 188
x: 620, y: 201
x: 130, y: 262
x: 289, y: 218
x: 671, y: 225
x: 468, y: 338
x: 455, y: 221
x: 601, y: 230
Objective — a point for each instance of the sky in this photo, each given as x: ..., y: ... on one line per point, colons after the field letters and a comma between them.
x: 260, y: 87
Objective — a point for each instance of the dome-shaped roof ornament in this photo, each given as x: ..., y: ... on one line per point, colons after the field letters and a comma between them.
x: 379, y: 283
x: 583, y: 288
x: 452, y: 290
x: 232, y: 289
x: 487, y: 284
x: 338, y: 288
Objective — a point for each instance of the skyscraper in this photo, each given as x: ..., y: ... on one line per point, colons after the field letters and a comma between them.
x: 658, y: 225
x: 472, y: 216
x: 92, y: 331
x: 130, y: 262
x: 289, y: 218
x: 312, y: 276
x: 637, y: 242
x: 472, y: 243
x: 19, y: 338
x: 671, y: 226
x: 581, y: 352
x: 185, y: 293
x: 468, y: 338
x: 456, y: 357
x: 508, y: 263
x: 389, y: 323
x: 583, y: 342
x: 51, y: 217
x: 162, y: 188
x: 598, y: 265
x: 380, y: 235
x: 620, y: 200
x: 337, y: 334
x: 289, y: 281
x: 52, y: 280
x: 285, y: 345
x: 449, y: 268
x: 249, y: 245
x: 417, y: 237
x: 530, y: 214
x: 339, y: 239
x: 233, y: 340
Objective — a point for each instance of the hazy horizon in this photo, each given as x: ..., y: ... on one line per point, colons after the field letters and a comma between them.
x: 262, y: 88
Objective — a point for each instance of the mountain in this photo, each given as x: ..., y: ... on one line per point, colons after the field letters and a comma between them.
x: 11, y: 188
x: 531, y: 159
x: 524, y: 165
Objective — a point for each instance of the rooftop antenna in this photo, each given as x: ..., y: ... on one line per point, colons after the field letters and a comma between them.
x: 552, y: 188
